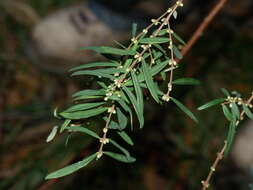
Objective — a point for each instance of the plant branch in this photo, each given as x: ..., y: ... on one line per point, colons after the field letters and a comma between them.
x: 220, y: 155
x: 203, y: 26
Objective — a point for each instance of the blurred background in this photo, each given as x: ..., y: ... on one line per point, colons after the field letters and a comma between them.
x: 37, y: 46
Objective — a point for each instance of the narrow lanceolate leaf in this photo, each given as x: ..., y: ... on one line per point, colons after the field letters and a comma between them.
x: 154, y: 70
x: 89, y: 93
x: 230, y: 137
x: 138, y: 92
x: 83, y: 114
x: 127, y: 109
x: 227, y: 113
x: 212, y: 103
x: 177, y: 52
x: 121, y: 118
x: 235, y: 110
x: 110, y: 50
x: 123, y: 150
x: 225, y: 92
x: 162, y: 32
x: 157, y: 40
x: 159, y: 67
x: 134, y: 29
x: 120, y: 157
x: 178, y: 38
x: 185, y: 109
x: 134, y: 103
x: 247, y: 111
x: 186, y: 81
x: 52, y: 134
x: 93, y: 73
x: 80, y: 107
x: 83, y: 130
x: 65, y: 125
x: 149, y: 81
x: 95, y: 64
x: 87, y: 97
x: 71, y: 168
x: 126, y: 138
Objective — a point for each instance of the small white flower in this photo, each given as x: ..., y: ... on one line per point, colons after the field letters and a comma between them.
x: 99, y: 155
x: 145, y: 31
x: 116, y: 74
x: 169, y: 87
x: 179, y: 3
x: 105, y: 130
x: 169, y: 10
x: 104, y: 140
x: 166, y: 98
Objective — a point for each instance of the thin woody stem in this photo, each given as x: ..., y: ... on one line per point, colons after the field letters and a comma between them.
x: 220, y: 155
x: 203, y: 26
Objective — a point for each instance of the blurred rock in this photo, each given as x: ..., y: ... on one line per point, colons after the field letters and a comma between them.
x: 242, y: 151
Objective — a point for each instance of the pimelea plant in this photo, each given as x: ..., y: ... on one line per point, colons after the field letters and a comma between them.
x: 234, y: 108
x: 122, y: 80
x: 128, y: 72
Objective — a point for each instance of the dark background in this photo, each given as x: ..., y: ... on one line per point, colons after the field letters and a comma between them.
x: 172, y: 152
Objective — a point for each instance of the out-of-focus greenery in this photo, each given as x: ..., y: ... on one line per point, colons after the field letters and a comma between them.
x: 171, y: 152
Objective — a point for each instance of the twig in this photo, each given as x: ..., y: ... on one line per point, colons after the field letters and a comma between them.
x: 220, y: 155
x: 202, y: 27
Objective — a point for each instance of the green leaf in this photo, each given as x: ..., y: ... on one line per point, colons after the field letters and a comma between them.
x: 186, y: 81
x: 154, y: 70
x: 93, y: 73
x: 227, y: 113
x: 212, y: 103
x: 128, y: 63
x: 127, y: 109
x: 102, y: 84
x: 235, y: 110
x: 95, y: 64
x: 155, y: 40
x: 149, y: 81
x: 120, y: 148
x: 177, y: 52
x: 65, y: 125
x: 160, y: 48
x: 80, y: 107
x: 159, y: 67
x: 84, y: 114
x: 225, y: 92
x: 247, y: 111
x: 184, y: 109
x: 110, y: 50
x: 178, y: 38
x: 71, y: 168
x: 87, y: 97
x: 121, y: 118
x: 134, y: 29
x: 230, y: 137
x: 162, y: 32
x: 89, y: 93
x: 138, y: 92
x: 126, y: 138
x: 120, y: 157
x: 134, y: 103
x: 52, y: 134
x: 83, y: 130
